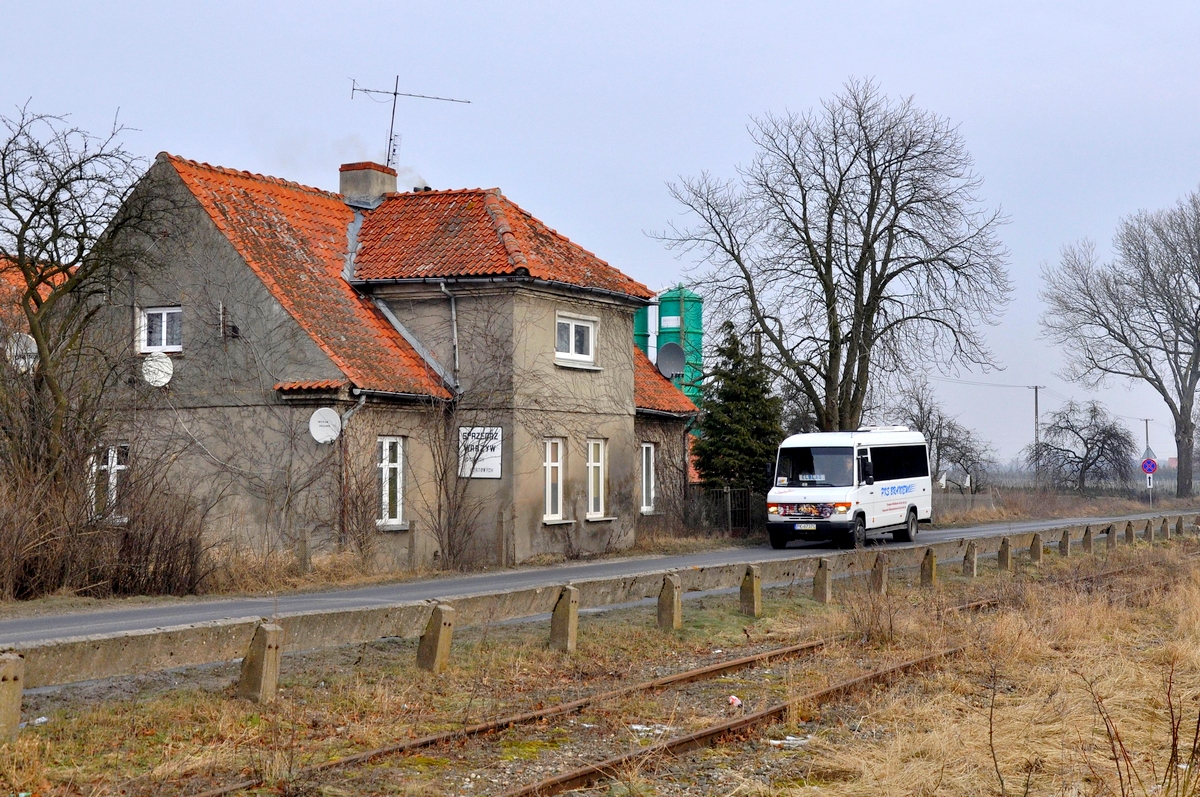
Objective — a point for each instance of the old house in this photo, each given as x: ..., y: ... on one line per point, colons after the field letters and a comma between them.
x: 488, y: 404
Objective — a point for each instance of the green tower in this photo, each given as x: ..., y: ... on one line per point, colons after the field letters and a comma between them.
x: 680, y: 319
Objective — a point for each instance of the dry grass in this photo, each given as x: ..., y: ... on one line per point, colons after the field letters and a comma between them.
x: 1031, y: 505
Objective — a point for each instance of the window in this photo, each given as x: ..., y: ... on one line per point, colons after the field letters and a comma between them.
x: 648, y: 477
x: 554, y: 484
x: 899, y: 462
x: 160, y: 329
x: 391, y: 481
x: 107, y: 466
x: 574, y: 339
x: 815, y: 467
x: 595, y: 478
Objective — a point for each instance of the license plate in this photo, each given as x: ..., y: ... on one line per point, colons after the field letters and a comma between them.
x: 806, y: 527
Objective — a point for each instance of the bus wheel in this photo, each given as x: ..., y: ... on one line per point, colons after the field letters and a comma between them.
x: 778, y: 539
x: 909, y: 532
x: 855, y: 537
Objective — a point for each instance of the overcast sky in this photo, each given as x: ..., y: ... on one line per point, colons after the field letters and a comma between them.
x: 1076, y: 113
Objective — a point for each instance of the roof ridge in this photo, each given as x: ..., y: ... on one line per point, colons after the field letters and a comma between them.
x: 534, y: 219
x: 262, y: 178
x: 493, y: 203
x: 442, y: 192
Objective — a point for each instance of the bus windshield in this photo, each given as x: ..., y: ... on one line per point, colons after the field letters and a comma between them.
x: 815, y: 467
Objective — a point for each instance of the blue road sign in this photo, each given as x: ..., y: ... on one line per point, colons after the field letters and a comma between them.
x: 1149, y: 466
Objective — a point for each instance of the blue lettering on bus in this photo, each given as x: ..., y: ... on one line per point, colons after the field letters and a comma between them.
x: 903, y: 489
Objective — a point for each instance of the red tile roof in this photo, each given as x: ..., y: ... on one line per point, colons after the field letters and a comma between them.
x: 653, y: 391
x: 311, y: 384
x: 475, y: 232
x: 294, y: 239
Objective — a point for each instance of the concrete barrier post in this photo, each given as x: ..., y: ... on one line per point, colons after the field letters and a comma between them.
x: 1148, y: 535
x: 1110, y: 536
x: 433, y: 651
x: 1004, y: 556
x: 971, y: 561
x: 752, y: 591
x: 1166, y: 529
x: 823, y: 582
x: 1130, y: 534
x: 260, y: 666
x: 878, y: 581
x: 564, y: 622
x: 12, y: 683
x: 1035, y: 549
x: 1179, y: 526
x: 1089, y: 545
x: 1064, y: 545
x: 929, y: 569
x: 670, y: 603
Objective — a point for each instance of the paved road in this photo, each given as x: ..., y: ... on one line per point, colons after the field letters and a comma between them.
x: 33, y: 629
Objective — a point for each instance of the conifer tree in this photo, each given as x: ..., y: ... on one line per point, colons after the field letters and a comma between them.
x: 740, y: 424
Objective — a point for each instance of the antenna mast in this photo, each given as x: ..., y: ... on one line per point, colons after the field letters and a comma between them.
x: 395, y: 94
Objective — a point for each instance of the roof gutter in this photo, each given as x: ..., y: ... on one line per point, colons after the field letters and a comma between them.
x: 542, y: 283
x: 358, y: 391
x: 426, y: 355
x: 665, y: 414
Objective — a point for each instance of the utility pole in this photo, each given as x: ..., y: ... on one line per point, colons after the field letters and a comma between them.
x: 1037, y: 423
x: 1147, y: 422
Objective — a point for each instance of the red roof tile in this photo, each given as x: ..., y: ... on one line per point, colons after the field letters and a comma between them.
x: 475, y: 232
x: 311, y: 384
x: 653, y: 391
x: 294, y: 239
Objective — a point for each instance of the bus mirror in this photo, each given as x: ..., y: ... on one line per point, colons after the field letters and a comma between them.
x: 868, y: 472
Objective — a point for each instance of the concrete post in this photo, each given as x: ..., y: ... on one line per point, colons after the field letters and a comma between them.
x: 1149, y: 533
x: 929, y: 569
x: 823, y: 582
x: 1089, y: 545
x: 1064, y: 545
x: 670, y: 603
x: 433, y: 652
x: 12, y: 682
x: 564, y: 622
x: 1035, y: 549
x: 1166, y: 529
x: 1004, y: 556
x: 971, y: 561
x: 1179, y: 526
x: 1110, y: 536
x: 1130, y: 534
x: 752, y: 591
x: 260, y: 666
x: 878, y: 582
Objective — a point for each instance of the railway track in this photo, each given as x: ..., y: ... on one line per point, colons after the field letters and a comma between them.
x: 707, y: 735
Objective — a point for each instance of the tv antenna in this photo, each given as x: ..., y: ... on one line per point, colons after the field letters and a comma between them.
x: 395, y: 94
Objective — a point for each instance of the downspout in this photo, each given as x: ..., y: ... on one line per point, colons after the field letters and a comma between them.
x: 453, y: 326
x: 346, y: 416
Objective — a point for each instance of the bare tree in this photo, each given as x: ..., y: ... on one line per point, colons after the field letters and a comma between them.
x: 853, y: 243
x: 66, y: 198
x: 1136, y: 317
x: 953, y: 448
x: 1083, y: 442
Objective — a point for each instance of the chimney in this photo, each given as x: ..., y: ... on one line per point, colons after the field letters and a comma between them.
x: 365, y: 183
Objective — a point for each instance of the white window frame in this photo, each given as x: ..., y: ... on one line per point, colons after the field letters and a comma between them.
x: 597, y: 455
x: 390, y: 474
x: 649, y: 477
x: 552, y: 466
x: 143, y: 323
x: 574, y: 321
x: 108, y: 460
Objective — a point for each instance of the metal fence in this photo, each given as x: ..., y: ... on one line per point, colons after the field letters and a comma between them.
x: 732, y: 511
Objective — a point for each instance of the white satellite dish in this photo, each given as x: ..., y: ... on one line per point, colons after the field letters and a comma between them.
x: 325, y: 425
x: 671, y: 360
x: 21, y: 351
x: 157, y: 369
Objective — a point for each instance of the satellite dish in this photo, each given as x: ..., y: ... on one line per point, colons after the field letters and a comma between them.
x: 21, y: 351
x: 157, y: 369
x: 671, y: 360
x: 325, y: 425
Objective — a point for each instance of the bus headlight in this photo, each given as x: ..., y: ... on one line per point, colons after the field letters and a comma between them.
x: 841, y: 509
x: 772, y: 509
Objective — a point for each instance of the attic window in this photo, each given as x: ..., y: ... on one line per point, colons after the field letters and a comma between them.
x: 160, y: 329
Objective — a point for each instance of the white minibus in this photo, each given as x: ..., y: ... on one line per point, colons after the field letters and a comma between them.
x: 842, y: 486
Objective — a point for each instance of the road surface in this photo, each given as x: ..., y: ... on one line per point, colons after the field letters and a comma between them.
x: 106, y: 621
